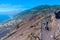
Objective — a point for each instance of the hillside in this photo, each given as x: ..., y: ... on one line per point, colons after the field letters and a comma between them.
x: 26, y: 15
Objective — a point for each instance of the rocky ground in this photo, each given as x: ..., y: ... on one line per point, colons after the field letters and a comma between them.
x: 31, y: 30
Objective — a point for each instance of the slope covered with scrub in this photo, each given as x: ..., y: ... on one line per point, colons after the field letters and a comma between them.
x: 27, y: 14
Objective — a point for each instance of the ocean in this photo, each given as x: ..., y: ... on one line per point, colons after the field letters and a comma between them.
x: 3, y: 18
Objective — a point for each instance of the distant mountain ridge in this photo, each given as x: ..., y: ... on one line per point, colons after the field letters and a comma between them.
x: 42, y: 8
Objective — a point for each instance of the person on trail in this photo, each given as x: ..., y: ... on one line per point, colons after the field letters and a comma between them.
x: 47, y: 28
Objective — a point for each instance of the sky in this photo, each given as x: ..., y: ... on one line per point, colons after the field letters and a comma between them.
x: 11, y: 7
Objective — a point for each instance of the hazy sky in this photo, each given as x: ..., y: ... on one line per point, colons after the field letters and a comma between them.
x: 11, y: 7
x: 19, y: 5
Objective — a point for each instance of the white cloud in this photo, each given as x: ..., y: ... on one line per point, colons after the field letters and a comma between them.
x: 10, y: 8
